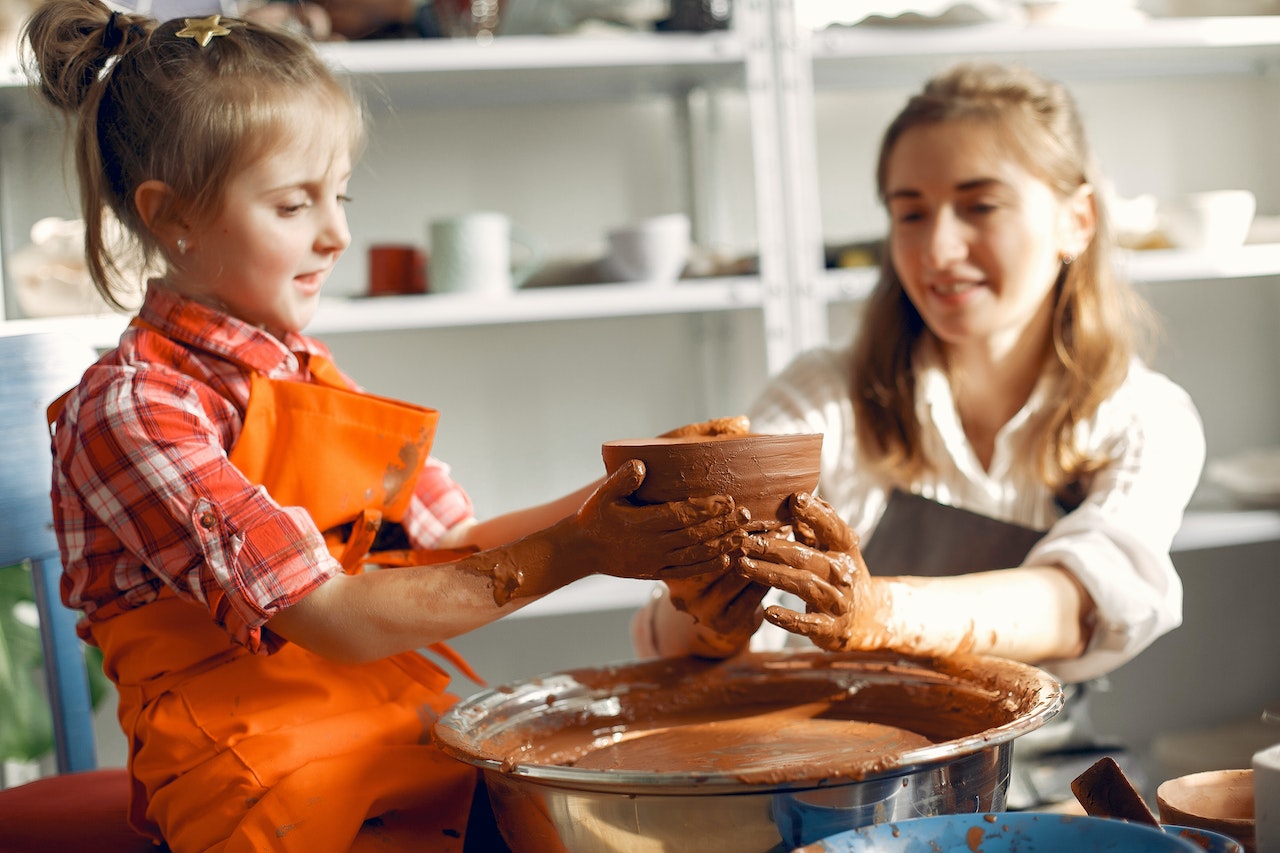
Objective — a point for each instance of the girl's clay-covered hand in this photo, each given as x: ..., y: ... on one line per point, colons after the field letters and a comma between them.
x: 658, y: 541
x: 725, y: 608
x: 611, y: 535
x: 823, y: 566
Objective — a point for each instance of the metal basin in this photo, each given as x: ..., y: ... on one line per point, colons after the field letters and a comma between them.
x: 765, y: 752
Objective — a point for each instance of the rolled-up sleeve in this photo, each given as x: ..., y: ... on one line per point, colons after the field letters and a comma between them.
x: 1117, y: 543
x: 151, y: 465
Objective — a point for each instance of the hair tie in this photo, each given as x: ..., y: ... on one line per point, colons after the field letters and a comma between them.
x: 112, y: 36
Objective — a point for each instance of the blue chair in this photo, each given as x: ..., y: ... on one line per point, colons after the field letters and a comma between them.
x: 81, y: 808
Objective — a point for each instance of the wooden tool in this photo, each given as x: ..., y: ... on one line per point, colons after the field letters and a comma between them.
x: 1105, y: 791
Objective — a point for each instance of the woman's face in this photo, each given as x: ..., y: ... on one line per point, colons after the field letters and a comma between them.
x: 976, y: 239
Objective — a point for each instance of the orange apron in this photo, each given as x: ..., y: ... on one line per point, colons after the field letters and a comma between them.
x: 232, y: 751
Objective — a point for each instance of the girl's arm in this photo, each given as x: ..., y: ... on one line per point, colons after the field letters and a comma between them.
x: 368, y: 616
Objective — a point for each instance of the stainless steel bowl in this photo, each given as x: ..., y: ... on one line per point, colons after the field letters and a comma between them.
x: 970, y: 709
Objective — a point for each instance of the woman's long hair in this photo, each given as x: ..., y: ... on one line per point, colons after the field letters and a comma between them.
x: 1098, y: 320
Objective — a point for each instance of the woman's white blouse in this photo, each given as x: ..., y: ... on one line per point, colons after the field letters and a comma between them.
x: 1116, y: 543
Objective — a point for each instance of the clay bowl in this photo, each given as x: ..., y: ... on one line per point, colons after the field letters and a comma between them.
x: 1216, y: 800
x: 759, y: 471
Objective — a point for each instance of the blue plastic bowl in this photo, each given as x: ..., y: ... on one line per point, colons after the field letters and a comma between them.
x: 1006, y: 832
x: 1205, y: 839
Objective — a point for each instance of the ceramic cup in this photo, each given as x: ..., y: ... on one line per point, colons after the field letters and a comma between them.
x: 654, y: 249
x: 472, y: 253
x: 396, y: 269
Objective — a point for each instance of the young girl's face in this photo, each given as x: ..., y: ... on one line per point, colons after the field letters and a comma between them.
x: 281, y: 229
x: 976, y: 239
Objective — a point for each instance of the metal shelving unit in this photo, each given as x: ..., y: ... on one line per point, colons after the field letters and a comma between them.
x: 863, y: 58
x: 399, y: 76
x: 776, y: 69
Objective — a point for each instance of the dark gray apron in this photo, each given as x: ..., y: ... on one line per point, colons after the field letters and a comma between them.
x: 923, y: 538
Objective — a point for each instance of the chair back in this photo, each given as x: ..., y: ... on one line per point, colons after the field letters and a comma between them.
x: 34, y: 370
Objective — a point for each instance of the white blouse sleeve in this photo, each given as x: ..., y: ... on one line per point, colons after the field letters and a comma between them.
x: 1117, y: 542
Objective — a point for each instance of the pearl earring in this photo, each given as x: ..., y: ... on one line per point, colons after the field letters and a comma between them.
x: 1067, y: 258
x: 182, y: 246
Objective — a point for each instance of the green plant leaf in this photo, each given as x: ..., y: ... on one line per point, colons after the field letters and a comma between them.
x: 26, y: 724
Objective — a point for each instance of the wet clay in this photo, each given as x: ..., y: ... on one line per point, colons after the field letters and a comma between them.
x: 758, y: 471
x: 720, y: 740
x: 764, y: 719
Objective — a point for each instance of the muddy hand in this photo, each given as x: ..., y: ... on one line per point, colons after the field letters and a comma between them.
x: 659, y: 541
x: 819, y: 525
x: 725, y: 608
x: 823, y: 567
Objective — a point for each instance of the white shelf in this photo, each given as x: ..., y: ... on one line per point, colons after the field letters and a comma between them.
x: 883, y: 55
x: 540, y: 69
x: 1176, y: 265
x: 539, y: 304
x: 389, y: 313
x: 1164, y: 266
x: 416, y: 73
x: 98, y: 330
x: 1227, y: 527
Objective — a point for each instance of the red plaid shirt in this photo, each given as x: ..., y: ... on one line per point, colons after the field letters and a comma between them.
x: 144, y: 496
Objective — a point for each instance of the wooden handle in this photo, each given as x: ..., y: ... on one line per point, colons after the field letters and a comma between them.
x: 1105, y: 791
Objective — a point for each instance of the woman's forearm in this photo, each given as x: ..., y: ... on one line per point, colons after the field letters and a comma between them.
x: 1029, y: 614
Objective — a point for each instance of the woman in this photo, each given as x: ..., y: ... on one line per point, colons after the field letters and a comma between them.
x: 1015, y: 470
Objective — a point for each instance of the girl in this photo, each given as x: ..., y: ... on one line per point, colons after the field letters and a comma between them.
x: 1016, y: 472
x: 218, y: 483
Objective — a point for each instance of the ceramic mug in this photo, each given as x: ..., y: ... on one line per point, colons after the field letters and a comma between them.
x: 396, y: 269
x: 654, y: 249
x: 471, y: 253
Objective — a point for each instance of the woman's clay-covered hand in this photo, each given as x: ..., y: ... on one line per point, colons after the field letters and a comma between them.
x: 823, y: 567
x: 612, y: 535
x: 725, y: 608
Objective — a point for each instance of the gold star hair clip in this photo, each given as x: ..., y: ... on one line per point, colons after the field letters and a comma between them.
x: 202, y: 30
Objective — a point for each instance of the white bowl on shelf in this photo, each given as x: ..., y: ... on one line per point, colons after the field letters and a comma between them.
x: 1252, y: 476
x: 1216, y: 219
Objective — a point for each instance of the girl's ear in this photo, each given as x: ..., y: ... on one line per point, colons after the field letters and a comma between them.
x: 1079, y: 221
x: 157, y: 208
